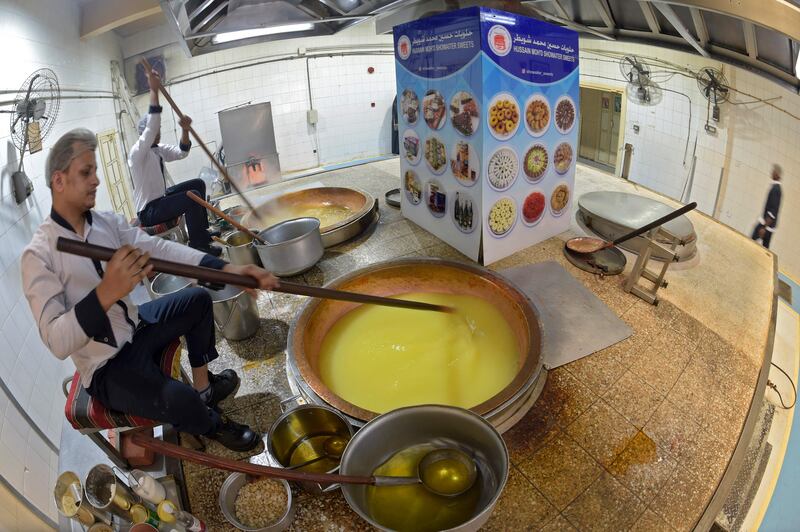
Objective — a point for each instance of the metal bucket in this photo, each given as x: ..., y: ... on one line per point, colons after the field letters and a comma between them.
x: 240, y: 248
x: 106, y: 492
x: 164, y: 284
x: 294, y: 246
x: 227, y: 503
x: 235, y: 313
x: 68, y: 486
x: 400, y: 429
x: 302, y: 429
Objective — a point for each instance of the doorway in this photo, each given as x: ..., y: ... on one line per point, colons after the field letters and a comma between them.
x: 601, y: 117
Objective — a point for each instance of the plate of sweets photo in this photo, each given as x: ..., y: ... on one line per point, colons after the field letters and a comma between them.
x: 464, y: 113
x: 409, y: 106
x: 565, y: 114
x: 503, y: 116
x: 559, y: 199
x: 502, y: 217
x: 535, y: 163
x: 411, y: 148
x: 413, y: 187
x: 503, y: 168
x: 435, y: 155
x: 562, y: 158
x: 464, y: 163
x: 533, y: 208
x: 537, y: 115
x: 434, y: 110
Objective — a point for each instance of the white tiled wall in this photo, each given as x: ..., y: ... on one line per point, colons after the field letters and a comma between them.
x: 749, y: 139
x: 36, y: 34
x: 342, y: 91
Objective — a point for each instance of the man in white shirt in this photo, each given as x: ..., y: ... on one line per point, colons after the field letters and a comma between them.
x: 83, y: 310
x: 155, y: 202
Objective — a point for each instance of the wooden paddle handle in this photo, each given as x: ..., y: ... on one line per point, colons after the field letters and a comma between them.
x: 199, y: 141
x: 224, y: 216
x: 210, y: 275
x: 655, y: 223
x: 182, y: 453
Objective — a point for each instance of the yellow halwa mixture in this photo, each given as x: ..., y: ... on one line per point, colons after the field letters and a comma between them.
x: 382, y: 358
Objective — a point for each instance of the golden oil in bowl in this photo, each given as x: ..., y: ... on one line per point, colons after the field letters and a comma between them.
x: 414, y: 507
x: 383, y: 358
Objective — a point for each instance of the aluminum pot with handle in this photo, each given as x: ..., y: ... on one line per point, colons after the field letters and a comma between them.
x: 240, y: 248
x: 400, y: 429
x: 293, y: 247
x: 235, y: 312
x: 299, y: 433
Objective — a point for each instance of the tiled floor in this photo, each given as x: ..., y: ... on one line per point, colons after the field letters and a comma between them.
x: 635, y: 436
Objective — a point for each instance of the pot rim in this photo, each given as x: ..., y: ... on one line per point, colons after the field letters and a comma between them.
x: 284, y: 415
x: 530, y: 369
x: 270, y: 245
x: 226, y: 485
x: 501, y: 484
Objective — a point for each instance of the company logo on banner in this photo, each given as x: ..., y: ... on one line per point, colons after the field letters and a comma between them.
x: 404, y: 47
x: 499, y: 40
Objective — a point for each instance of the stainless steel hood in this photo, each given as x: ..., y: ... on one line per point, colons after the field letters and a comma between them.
x: 204, y: 26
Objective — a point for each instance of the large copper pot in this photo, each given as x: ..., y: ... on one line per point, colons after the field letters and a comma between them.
x: 317, y: 316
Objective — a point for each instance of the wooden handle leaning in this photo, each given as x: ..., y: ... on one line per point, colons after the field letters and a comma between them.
x: 200, y: 142
x: 175, y: 451
x: 224, y: 216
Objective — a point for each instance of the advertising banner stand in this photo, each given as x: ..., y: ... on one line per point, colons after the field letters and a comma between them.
x: 488, y: 118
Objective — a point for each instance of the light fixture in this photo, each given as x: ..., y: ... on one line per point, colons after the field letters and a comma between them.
x: 260, y: 32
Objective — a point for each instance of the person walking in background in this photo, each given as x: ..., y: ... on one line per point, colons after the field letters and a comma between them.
x: 769, y: 219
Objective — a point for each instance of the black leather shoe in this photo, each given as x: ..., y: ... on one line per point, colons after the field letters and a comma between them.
x: 236, y: 437
x: 214, y: 232
x: 222, y: 385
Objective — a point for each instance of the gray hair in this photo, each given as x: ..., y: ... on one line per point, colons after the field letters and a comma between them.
x: 72, y: 144
x: 776, y: 168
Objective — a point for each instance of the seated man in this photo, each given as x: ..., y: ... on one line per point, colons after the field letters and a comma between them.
x: 155, y: 203
x: 83, y: 310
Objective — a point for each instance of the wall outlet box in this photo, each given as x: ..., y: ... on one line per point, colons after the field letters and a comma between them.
x: 711, y: 129
x: 312, y: 116
x: 636, y: 128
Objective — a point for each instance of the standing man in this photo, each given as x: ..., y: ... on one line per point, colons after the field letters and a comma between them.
x: 769, y: 220
x: 155, y: 203
x: 83, y: 310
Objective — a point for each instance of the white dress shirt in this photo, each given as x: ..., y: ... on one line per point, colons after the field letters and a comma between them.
x: 145, y: 161
x: 60, y: 288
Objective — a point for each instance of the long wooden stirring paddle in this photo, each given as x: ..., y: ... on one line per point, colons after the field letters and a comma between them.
x: 200, y: 142
x: 224, y: 216
x: 93, y: 251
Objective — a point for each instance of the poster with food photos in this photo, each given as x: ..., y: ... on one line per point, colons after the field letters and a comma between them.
x: 488, y: 108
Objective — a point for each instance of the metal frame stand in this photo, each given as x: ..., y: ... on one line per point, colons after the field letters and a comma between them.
x: 640, y: 266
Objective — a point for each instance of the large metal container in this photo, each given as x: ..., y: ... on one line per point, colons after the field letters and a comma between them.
x: 164, y: 284
x: 235, y: 313
x: 306, y: 426
x: 362, y: 206
x: 293, y: 246
x: 227, y: 503
x: 317, y: 316
x: 240, y: 248
x: 106, y: 492
x: 69, y: 485
x: 399, y: 429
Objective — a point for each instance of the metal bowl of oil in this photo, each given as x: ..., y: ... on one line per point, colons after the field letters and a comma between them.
x: 394, y: 443
x: 298, y: 436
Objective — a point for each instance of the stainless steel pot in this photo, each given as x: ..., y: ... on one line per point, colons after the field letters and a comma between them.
x: 240, y: 248
x: 294, y: 246
x: 304, y: 429
x: 227, y: 503
x: 235, y: 313
x: 164, y: 284
x: 106, y: 492
x: 399, y: 429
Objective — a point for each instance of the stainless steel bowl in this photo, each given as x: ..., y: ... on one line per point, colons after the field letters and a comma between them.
x: 449, y: 426
x: 164, y: 284
x: 227, y: 503
x: 293, y: 246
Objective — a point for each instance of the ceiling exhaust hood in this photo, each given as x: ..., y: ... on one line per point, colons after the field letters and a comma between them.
x: 204, y: 26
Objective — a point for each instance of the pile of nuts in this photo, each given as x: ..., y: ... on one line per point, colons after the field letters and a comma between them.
x: 261, y: 503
